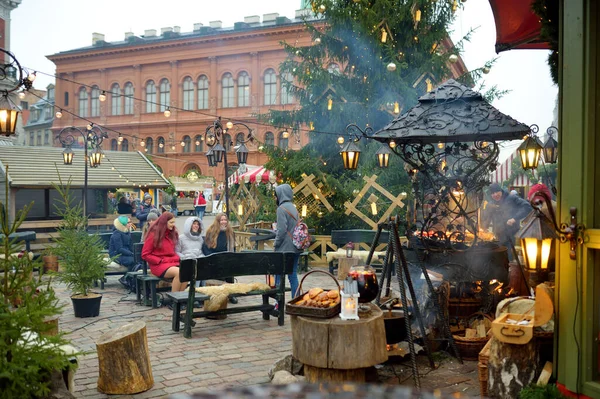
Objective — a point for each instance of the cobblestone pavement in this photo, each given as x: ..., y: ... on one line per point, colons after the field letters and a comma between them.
x: 221, y: 353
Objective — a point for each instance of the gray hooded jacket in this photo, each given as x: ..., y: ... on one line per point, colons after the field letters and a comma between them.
x: 190, y: 246
x: 285, y: 221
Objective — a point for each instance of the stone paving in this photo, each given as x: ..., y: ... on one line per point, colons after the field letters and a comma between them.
x: 235, y: 351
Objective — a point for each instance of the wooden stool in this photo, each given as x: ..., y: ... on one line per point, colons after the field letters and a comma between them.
x: 124, y: 360
x: 336, y: 350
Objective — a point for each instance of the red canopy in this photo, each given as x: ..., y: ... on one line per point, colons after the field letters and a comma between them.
x: 517, y: 27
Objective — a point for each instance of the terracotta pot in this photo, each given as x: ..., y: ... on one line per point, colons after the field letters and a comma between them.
x: 50, y: 263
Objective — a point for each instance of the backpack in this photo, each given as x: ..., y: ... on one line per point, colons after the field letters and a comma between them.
x: 300, y: 236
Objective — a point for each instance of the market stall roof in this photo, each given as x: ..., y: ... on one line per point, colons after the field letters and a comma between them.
x: 517, y: 26
x: 36, y: 167
x: 183, y: 184
x: 254, y: 174
x: 452, y: 112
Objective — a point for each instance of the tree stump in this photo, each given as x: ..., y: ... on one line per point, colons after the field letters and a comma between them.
x: 511, y: 367
x: 335, y: 350
x: 124, y: 360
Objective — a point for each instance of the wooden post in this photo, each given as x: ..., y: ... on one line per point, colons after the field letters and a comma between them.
x: 124, y: 360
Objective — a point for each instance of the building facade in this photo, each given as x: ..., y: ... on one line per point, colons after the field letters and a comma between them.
x: 37, y: 126
x: 161, y: 91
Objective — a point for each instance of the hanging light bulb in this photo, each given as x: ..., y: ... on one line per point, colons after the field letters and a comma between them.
x: 329, y: 104
x: 142, y: 143
x: 340, y: 140
x: 485, y: 69
x: 453, y: 58
x: 285, y: 134
x: 392, y: 144
x: 197, y: 142
x: 182, y: 143
x: 161, y: 145
x: 89, y: 126
x: 317, y: 41
x: 391, y: 67
x: 167, y: 112
x: 32, y: 76
x: 120, y: 138
x: 396, y: 108
x: 229, y: 125
x: 102, y: 96
x: 21, y: 95
x: 322, y: 8
x: 58, y: 114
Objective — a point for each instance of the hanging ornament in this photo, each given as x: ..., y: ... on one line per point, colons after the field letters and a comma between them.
x: 356, y: 1
x: 454, y: 6
x: 383, y: 36
x: 396, y: 108
x: 322, y: 8
x: 486, y: 69
x: 317, y: 40
x: 453, y: 58
x: 391, y: 67
x: 329, y: 104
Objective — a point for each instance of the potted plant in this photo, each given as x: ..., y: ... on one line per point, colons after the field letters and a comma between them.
x: 82, y: 260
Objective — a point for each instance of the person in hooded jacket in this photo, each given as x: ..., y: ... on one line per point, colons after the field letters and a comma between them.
x: 190, y: 241
x: 120, y: 242
x: 505, y: 213
x: 287, y: 216
x: 144, y: 209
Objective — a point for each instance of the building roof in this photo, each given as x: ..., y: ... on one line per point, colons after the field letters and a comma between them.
x: 39, y: 167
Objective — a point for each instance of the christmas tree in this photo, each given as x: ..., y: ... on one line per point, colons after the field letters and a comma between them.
x: 369, y: 61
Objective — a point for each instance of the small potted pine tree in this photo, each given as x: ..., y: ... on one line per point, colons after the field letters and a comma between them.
x: 81, y: 258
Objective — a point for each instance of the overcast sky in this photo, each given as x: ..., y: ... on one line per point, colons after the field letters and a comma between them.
x: 42, y: 27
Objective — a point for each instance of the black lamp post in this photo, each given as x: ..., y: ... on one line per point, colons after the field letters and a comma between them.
x: 214, y: 138
x: 92, y: 137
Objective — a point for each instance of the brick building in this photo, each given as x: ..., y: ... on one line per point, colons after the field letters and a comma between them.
x: 209, y: 72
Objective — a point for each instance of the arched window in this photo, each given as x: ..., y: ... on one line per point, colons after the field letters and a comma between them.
x: 95, y: 100
x: 83, y: 102
x: 128, y: 98
x: 149, y: 145
x: 283, y: 141
x: 115, y: 99
x: 227, y: 142
x: 228, y: 94
x: 161, y: 145
x: 125, y: 145
x: 269, y: 138
x: 188, y: 93
x: 203, y: 92
x: 165, y: 94
x: 187, y: 144
x: 150, y: 96
x: 239, y: 138
x: 198, y: 144
x: 333, y: 68
x: 286, y: 82
x: 270, y: 87
x: 114, y: 145
x: 243, y: 89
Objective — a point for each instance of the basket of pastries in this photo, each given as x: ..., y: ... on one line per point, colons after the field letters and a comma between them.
x: 316, y: 302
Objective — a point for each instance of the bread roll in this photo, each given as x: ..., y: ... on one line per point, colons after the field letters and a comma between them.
x: 333, y: 294
x: 313, y: 292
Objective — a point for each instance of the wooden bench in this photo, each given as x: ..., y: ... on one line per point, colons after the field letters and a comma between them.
x: 146, y: 284
x: 227, y: 264
x: 362, y: 239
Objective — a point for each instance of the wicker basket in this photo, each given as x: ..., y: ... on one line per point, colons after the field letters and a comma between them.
x: 323, y: 313
x: 469, y: 348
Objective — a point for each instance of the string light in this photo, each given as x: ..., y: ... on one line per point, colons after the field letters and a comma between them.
x: 167, y: 112
x: 58, y: 114
x: 21, y: 95
x: 102, y: 96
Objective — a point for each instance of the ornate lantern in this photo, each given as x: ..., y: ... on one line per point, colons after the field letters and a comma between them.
x: 383, y: 156
x: 349, y: 249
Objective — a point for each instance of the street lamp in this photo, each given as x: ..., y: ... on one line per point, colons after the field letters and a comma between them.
x: 12, y: 72
x: 92, y: 137
x: 214, y: 138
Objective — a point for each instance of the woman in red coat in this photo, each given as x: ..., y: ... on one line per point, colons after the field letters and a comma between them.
x: 159, y: 250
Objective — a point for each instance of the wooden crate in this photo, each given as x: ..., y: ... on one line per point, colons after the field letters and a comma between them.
x: 482, y: 368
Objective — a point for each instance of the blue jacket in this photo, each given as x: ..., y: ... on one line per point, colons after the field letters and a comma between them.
x: 120, y: 244
x: 142, y: 213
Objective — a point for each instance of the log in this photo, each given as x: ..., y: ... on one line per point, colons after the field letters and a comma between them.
x: 52, y: 322
x: 334, y: 350
x: 124, y: 360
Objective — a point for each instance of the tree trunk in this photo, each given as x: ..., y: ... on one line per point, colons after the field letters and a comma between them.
x: 124, y: 360
x: 511, y: 367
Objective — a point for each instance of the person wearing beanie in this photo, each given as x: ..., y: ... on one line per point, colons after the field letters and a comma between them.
x: 143, y: 210
x: 120, y: 242
x: 505, y: 213
x: 152, y: 217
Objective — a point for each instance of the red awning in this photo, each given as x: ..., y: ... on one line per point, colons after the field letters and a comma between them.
x: 517, y: 27
x: 260, y: 175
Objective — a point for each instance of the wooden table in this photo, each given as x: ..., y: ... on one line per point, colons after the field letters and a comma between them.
x: 335, y: 350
